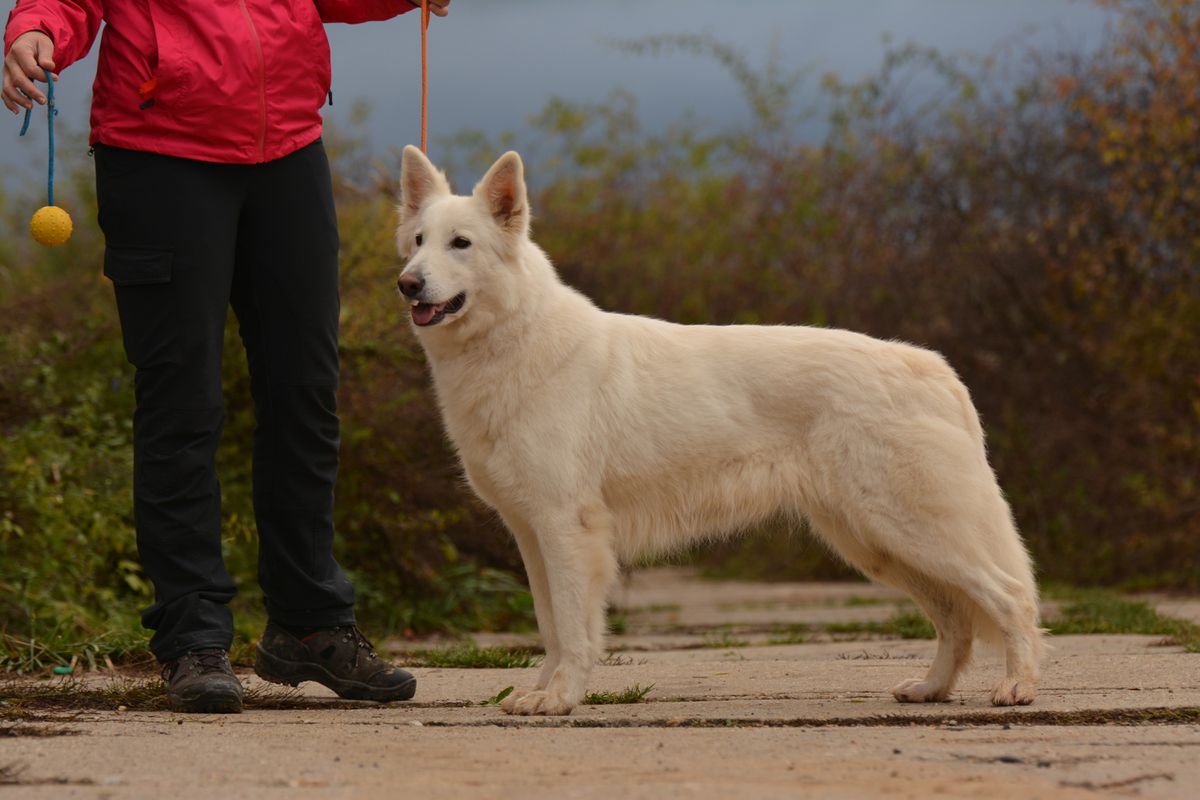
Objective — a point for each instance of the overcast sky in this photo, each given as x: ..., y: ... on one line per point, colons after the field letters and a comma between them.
x: 493, y: 63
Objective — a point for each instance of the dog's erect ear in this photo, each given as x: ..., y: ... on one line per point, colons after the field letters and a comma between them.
x: 502, y: 189
x: 420, y: 182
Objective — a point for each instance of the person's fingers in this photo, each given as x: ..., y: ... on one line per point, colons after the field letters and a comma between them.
x: 41, y: 48
x: 22, y: 66
x: 45, y: 55
x: 439, y: 7
x: 13, y: 97
x: 10, y: 96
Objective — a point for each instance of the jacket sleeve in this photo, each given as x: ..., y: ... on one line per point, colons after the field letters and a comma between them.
x: 363, y: 10
x: 70, y: 24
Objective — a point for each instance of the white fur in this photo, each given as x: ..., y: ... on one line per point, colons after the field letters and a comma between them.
x: 600, y: 437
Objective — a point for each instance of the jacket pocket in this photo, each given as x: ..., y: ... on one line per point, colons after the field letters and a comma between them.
x: 171, y: 66
x: 145, y: 303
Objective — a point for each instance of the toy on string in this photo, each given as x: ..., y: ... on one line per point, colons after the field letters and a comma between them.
x: 51, y: 225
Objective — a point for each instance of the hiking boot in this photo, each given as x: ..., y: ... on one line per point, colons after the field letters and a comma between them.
x: 202, y: 682
x: 340, y: 658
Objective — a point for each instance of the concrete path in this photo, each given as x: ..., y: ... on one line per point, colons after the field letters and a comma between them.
x: 729, y: 717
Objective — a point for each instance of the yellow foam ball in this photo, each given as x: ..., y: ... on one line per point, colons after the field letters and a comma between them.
x: 51, y: 226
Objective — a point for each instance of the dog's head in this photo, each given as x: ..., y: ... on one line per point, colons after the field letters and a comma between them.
x: 458, y: 248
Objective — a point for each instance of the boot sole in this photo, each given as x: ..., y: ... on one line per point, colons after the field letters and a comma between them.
x: 273, y: 669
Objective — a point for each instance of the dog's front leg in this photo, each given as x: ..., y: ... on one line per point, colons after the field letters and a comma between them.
x: 539, y: 587
x: 580, y: 567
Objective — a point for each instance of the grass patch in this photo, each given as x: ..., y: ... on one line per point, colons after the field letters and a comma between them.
x: 724, y: 639
x: 856, y: 600
x: 59, y: 648
x: 1101, y: 612
x: 904, y: 624
x: 791, y: 634
x: 618, y: 623
x: 467, y: 656
x: 911, y: 624
x: 62, y: 646
x: 24, y: 700
x: 632, y: 694
x: 614, y: 659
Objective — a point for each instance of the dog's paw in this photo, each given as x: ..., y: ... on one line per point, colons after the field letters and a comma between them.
x: 510, y: 702
x: 540, y: 701
x: 919, y: 690
x: 1013, y: 692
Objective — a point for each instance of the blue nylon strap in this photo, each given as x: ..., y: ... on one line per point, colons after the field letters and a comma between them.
x: 51, y: 112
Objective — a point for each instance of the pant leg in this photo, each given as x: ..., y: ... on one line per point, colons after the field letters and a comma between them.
x: 285, y: 296
x: 170, y: 227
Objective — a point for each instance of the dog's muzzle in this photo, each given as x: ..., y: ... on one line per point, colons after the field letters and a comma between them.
x: 425, y: 313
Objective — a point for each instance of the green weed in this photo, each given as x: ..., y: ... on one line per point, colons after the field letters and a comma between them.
x: 632, y: 694
x: 467, y: 656
x: 498, y: 698
x: 1102, y: 612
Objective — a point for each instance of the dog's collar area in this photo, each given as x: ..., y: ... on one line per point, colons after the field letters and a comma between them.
x: 426, y: 314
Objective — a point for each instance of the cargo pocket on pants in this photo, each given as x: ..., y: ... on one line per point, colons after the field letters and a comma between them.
x: 145, y: 303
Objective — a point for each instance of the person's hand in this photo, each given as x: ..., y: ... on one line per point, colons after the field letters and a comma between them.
x: 29, y: 58
x: 439, y: 8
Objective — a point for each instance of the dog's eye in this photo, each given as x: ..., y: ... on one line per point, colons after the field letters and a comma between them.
x: 460, y: 243
x: 420, y: 239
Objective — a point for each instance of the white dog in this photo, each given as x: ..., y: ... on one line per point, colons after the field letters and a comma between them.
x: 602, y: 437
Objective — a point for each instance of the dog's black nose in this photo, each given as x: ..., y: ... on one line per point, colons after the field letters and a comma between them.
x: 410, y: 285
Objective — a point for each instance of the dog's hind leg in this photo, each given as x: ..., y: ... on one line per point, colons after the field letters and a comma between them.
x: 999, y: 604
x: 949, y: 609
x: 981, y: 557
x: 984, y: 585
x: 919, y: 499
x: 951, y: 613
x: 581, y: 568
x: 1008, y: 605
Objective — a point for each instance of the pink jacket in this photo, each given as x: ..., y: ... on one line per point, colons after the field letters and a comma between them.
x: 234, y: 81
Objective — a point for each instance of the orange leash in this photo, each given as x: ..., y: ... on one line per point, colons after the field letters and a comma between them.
x: 424, y: 73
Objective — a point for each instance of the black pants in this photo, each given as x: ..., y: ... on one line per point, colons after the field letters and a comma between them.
x: 185, y: 240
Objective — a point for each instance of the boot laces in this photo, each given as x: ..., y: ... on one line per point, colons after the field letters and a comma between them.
x: 203, y: 662
x: 361, y: 643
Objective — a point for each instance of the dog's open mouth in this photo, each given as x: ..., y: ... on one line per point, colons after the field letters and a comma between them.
x: 425, y: 314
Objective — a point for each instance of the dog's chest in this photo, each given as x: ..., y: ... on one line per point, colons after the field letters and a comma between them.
x: 480, y: 417
x: 500, y: 435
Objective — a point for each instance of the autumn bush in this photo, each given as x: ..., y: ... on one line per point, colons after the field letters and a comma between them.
x: 1035, y: 217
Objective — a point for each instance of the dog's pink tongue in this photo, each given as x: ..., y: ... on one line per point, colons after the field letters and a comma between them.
x: 423, y: 313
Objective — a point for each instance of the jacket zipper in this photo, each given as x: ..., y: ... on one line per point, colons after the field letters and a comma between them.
x: 262, y: 84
